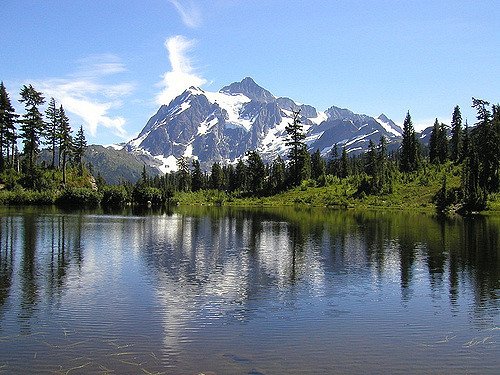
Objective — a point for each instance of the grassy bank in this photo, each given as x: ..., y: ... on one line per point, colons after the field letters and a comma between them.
x: 408, y: 192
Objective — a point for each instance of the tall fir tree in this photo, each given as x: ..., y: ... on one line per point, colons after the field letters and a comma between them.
x: 216, y: 177
x: 278, y: 175
x: 52, y: 128
x: 487, y: 139
x: 371, y: 160
x: 344, y: 164
x: 65, y: 140
x: 333, y: 161
x: 305, y: 165
x: 32, y: 124
x: 241, y: 175
x: 474, y: 195
x: 79, y: 148
x: 297, y: 147
x: 318, y: 166
x: 466, y: 142
x: 196, y: 176
x: 442, y: 144
x: 184, y: 177
x: 256, y: 172
x: 456, y: 153
x: 8, y: 118
x: 433, y: 143
x: 383, y: 171
x: 410, y: 147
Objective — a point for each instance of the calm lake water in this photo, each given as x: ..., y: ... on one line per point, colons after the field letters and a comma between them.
x: 232, y: 291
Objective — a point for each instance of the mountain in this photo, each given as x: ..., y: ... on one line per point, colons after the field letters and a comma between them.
x: 116, y: 166
x: 222, y: 126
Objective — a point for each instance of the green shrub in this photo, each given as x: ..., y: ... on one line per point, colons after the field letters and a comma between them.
x: 114, y: 196
x: 28, y: 197
x: 84, y: 197
x: 147, y: 196
x: 10, y: 178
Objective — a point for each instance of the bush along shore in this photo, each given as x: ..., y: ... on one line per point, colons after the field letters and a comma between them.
x: 432, y: 188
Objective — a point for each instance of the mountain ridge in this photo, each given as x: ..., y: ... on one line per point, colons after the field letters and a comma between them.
x: 223, y: 126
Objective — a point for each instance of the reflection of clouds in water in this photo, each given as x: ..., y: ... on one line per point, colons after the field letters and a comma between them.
x: 206, y: 269
x: 198, y: 278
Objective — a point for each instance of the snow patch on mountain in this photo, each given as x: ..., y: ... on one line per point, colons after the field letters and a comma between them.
x: 360, y: 138
x: 322, y: 116
x: 232, y: 105
x: 169, y: 163
x: 387, y: 127
x: 205, y: 126
x: 188, y: 153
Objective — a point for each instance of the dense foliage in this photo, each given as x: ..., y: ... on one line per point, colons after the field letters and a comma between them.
x: 460, y: 171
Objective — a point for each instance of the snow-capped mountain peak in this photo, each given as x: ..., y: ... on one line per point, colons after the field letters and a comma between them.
x: 389, y: 125
x: 250, y: 89
x: 222, y: 126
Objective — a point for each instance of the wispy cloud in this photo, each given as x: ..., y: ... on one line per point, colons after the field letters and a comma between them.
x: 87, y: 95
x: 182, y: 75
x: 189, y: 12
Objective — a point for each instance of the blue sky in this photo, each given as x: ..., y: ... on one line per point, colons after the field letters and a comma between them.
x: 112, y: 62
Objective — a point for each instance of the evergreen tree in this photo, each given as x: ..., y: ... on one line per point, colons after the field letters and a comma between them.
x: 410, y: 147
x: 230, y: 177
x: 7, y: 127
x: 496, y: 125
x: 344, y: 164
x: 474, y: 195
x: 196, y: 176
x: 80, y: 146
x: 32, y: 124
x: 65, y: 140
x: 371, y: 160
x: 384, y: 172
x: 296, y: 154
x: 442, y: 144
x: 52, y: 131
x: 241, y: 175
x: 305, y: 165
x: 144, y: 181
x: 333, y: 161
x: 456, y: 135
x: 277, y: 176
x: 433, y: 143
x: 318, y: 166
x: 487, y: 139
x: 184, y: 177
x: 216, y: 177
x: 256, y: 172
x: 466, y: 143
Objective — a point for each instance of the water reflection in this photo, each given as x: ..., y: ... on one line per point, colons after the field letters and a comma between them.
x: 214, y: 264
x: 186, y: 277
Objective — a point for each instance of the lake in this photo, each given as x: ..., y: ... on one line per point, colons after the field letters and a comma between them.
x: 248, y: 291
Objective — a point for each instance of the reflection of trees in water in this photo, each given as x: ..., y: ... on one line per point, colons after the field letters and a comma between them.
x: 46, y: 246
x: 7, y: 240
x: 281, y: 245
x: 29, y: 282
x: 65, y: 247
x: 482, y: 250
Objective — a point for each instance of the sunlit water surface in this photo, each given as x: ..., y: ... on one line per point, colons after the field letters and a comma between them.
x: 226, y: 291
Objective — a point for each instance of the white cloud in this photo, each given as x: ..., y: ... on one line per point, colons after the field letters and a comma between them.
x: 182, y: 75
x: 189, y: 12
x: 86, y: 94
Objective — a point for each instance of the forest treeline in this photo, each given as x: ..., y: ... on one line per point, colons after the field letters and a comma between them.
x: 473, y: 151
